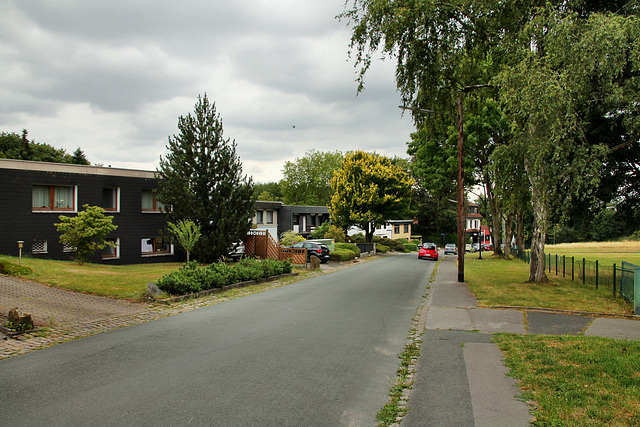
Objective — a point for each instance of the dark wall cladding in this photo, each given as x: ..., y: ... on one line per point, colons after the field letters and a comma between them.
x: 18, y: 221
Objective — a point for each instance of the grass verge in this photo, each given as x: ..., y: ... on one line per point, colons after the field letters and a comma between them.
x: 115, y: 281
x: 499, y: 282
x: 576, y: 380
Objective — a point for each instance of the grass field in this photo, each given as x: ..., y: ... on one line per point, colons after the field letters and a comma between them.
x: 499, y: 282
x: 607, y: 253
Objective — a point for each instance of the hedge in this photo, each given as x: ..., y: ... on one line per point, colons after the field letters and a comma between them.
x: 342, y: 255
x: 190, y: 279
x: 382, y: 248
x: 350, y: 247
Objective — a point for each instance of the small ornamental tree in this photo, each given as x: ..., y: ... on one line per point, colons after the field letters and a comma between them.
x: 186, y: 233
x: 86, y: 232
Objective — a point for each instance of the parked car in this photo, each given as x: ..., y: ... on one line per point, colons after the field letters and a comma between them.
x: 237, y: 251
x: 428, y: 251
x: 475, y: 247
x: 450, y: 248
x: 313, y: 248
x: 487, y: 247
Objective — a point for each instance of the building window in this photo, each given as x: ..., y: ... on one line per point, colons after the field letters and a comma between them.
x: 406, y: 228
x: 53, y: 198
x: 259, y: 217
x: 112, y: 252
x: 156, y: 246
x: 111, y: 199
x: 68, y: 248
x: 269, y: 217
x: 39, y: 247
x: 150, y: 203
x: 396, y: 229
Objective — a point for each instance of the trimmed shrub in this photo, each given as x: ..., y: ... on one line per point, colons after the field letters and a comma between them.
x: 248, y: 269
x: 183, y: 281
x: 393, y: 245
x: 410, y: 247
x: 13, y: 269
x: 350, y: 247
x: 342, y: 255
x: 382, y: 248
x: 191, y: 279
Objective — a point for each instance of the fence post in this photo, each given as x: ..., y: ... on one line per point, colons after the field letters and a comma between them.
x: 614, y: 280
x: 584, y: 273
x: 556, y: 264
x: 563, y: 265
x: 636, y: 291
x: 596, y: 274
x: 573, y: 263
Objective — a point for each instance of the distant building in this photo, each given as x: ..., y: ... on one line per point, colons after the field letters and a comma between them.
x: 278, y: 218
x: 393, y: 229
x: 475, y: 227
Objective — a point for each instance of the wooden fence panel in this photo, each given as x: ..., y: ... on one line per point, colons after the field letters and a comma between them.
x: 260, y: 243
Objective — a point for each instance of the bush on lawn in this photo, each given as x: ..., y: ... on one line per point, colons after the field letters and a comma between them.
x: 12, y: 269
x: 350, y: 247
x: 190, y: 279
x: 382, y: 248
x: 342, y: 255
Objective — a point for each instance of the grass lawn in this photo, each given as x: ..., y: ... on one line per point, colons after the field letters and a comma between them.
x: 499, y: 282
x: 572, y: 380
x: 576, y: 381
x: 117, y: 281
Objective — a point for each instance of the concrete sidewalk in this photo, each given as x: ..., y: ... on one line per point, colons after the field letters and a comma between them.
x: 460, y: 378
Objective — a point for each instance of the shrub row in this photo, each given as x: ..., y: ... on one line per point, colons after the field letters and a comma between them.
x: 190, y: 279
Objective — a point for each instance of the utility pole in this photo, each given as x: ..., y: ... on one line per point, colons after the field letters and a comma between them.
x: 461, y: 230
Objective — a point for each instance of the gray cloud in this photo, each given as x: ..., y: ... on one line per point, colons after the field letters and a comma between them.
x: 113, y: 78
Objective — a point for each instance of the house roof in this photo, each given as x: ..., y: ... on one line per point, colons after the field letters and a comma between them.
x: 28, y: 165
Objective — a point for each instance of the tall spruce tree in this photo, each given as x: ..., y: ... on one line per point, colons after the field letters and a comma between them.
x: 201, y: 180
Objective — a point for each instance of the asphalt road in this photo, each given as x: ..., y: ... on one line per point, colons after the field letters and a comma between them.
x: 320, y: 352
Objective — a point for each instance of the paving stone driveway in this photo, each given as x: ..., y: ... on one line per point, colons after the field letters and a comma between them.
x: 58, y: 306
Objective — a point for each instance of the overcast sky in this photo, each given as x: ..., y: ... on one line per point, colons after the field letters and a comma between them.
x: 112, y: 77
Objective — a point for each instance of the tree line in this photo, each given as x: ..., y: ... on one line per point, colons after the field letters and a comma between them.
x: 550, y: 96
x: 18, y: 147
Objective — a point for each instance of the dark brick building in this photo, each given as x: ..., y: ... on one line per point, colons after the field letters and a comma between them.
x: 34, y: 195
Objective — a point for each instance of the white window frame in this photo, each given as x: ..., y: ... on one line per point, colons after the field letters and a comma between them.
x: 150, y: 242
x: 116, y: 250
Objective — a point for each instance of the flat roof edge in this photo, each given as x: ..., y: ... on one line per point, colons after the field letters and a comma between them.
x: 28, y: 165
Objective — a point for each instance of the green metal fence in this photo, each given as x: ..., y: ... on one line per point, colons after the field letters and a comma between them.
x: 622, y: 281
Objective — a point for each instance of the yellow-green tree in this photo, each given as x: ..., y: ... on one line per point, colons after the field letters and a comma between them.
x: 369, y: 190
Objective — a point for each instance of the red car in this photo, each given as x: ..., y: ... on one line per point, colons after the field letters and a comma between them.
x: 429, y: 252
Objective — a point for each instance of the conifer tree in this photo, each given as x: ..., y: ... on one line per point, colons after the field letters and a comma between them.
x: 201, y: 179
